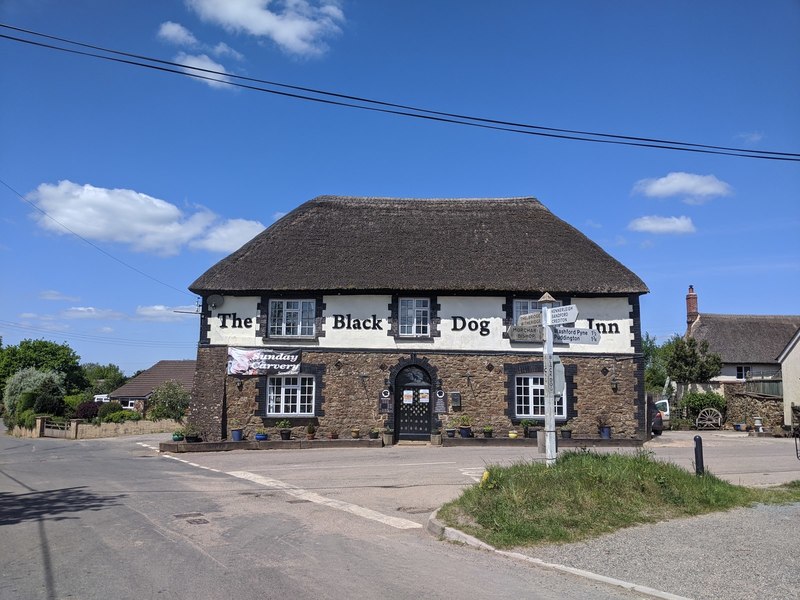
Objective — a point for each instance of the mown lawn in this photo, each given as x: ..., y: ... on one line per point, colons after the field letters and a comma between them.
x: 586, y: 494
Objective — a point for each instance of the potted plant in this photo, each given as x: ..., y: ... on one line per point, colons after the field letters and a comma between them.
x: 436, y: 437
x: 311, y: 431
x: 527, y: 426
x: 333, y: 435
x: 450, y: 431
x: 191, y: 434
x: 465, y: 426
x: 178, y: 435
x: 355, y: 433
x: 388, y: 437
x: 566, y: 432
x: 487, y: 431
x: 374, y: 433
x: 604, y: 427
x: 261, y: 434
x: 513, y: 434
x: 236, y: 431
x: 285, y: 427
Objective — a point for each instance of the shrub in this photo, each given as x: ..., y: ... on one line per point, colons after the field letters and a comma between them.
x: 27, y: 419
x: 694, y: 402
x: 27, y: 380
x: 87, y: 410
x: 121, y: 416
x: 168, y: 401
x: 49, y: 398
x: 107, y: 408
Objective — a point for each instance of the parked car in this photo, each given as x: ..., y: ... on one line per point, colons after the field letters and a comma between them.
x: 662, y: 406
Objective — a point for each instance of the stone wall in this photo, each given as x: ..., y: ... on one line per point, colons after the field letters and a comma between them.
x: 353, y: 381
x: 743, y: 408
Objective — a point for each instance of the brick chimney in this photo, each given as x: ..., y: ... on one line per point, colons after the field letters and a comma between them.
x: 691, y: 306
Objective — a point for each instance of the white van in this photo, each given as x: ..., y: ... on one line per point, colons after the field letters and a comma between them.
x: 101, y: 398
x: 663, y: 407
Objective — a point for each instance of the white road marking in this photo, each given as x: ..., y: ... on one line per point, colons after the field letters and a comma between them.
x: 474, y: 473
x: 297, y: 492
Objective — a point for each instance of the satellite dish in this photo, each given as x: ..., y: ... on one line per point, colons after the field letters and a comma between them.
x: 215, y: 301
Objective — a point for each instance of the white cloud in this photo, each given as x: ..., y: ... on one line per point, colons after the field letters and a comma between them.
x: 161, y: 313
x: 695, y: 189
x: 58, y: 296
x: 229, y: 236
x: 202, y: 61
x: 177, y: 34
x: 654, y: 224
x: 89, y: 312
x: 222, y: 49
x: 278, y: 215
x: 751, y: 137
x: 123, y: 216
x: 297, y: 26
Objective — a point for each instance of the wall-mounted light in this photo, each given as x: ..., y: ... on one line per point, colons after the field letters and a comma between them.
x: 614, y: 384
x: 386, y: 382
x: 239, y: 384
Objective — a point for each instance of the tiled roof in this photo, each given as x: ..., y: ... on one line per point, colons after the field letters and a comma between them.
x: 463, y: 245
x: 145, y: 382
x: 745, y: 339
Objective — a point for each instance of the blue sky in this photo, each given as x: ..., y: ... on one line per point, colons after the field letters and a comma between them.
x: 162, y: 175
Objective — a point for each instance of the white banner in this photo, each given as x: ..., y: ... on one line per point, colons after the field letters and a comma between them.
x: 263, y: 361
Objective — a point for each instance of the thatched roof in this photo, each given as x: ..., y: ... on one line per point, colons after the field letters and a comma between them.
x: 745, y: 339
x: 143, y: 384
x: 461, y: 245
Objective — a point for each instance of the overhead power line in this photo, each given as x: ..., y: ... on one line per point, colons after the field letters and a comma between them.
x: 350, y: 101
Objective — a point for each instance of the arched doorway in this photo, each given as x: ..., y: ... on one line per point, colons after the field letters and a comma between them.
x: 413, y: 401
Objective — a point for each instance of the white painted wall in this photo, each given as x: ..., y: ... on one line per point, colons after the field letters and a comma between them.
x: 463, y: 318
x: 790, y: 367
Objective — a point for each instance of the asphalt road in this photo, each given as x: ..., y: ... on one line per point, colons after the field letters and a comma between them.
x: 102, y: 518
x: 113, y: 518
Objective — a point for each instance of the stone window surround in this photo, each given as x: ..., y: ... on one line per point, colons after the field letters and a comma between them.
x: 316, y: 371
x: 263, y: 317
x: 433, y: 318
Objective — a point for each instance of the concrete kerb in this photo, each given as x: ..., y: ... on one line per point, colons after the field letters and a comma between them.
x: 438, y: 529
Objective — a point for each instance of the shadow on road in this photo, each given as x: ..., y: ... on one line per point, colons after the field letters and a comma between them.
x: 52, y: 505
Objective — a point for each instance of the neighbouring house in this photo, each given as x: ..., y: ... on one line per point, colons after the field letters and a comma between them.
x: 138, y: 389
x: 403, y: 313
x: 750, y: 347
x: 789, y: 360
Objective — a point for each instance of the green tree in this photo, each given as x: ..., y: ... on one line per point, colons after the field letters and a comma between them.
x: 691, y: 362
x: 46, y: 356
x: 20, y: 392
x: 103, y: 379
x: 656, y: 359
x: 168, y: 401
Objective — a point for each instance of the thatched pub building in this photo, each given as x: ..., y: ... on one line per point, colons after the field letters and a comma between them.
x: 383, y: 312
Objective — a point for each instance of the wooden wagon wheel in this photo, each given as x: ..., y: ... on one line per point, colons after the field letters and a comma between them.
x: 709, y: 418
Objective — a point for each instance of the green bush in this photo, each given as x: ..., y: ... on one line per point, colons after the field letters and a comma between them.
x: 694, y: 402
x: 49, y: 398
x: 168, y: 401
x: 27, y: 419
x: 121, y: 416
x: 108, y: 408
x: 25, y: 402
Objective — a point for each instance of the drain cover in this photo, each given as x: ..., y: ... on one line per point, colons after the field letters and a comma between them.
x: 197, y: 521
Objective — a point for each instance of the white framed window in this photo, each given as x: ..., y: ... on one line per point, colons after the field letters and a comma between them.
x: 529, y: 397
x: 291, y: 318
x: 414, y: 317
x: 523, y: 306
x: 290, y: 395
x: 742, y: 371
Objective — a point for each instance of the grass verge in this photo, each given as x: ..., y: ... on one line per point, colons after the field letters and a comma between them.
x: 586, y: 494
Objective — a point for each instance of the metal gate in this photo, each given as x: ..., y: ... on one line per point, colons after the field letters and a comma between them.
x: 413, y: 401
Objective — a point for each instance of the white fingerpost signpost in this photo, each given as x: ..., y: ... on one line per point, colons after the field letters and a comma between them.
x: 546, y: 301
